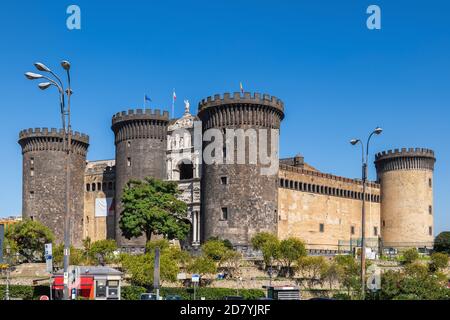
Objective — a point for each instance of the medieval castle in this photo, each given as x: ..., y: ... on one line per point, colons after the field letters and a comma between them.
x: 230, y: 201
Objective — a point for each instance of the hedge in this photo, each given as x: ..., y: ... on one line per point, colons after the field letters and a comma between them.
x: 134, y: 293
x: 24, y: 292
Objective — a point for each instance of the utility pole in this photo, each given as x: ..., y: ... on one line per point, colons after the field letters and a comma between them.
x: 365, y: 157
x: 67, y: 147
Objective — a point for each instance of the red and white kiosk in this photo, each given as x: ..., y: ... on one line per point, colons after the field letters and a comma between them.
x: 89, y: 282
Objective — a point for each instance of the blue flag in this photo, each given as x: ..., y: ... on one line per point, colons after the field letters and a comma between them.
x: 147, y: 98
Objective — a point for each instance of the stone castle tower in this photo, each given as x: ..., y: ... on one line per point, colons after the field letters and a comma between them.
x: 44, y: 179
x: 406, y: 178
x: 237, y: 200
x: 141, y: 141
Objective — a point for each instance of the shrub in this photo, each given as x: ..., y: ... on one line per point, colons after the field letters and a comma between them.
x: 409, y: 256
x: 438, y: 261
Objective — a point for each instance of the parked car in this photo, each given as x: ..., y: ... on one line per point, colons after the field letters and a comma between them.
x: 148, y: 296
x: 173, y: 297
x: 233, y: 298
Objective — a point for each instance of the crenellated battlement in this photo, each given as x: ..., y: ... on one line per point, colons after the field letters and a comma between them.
x: 405, y: 159
x: 237, y: 97
x: 140, y: 114
x: 52, y: 132
x: 405, y: 152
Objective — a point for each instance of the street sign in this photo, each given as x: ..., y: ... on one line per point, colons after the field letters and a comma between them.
x: 66, y: 278
x: 195, y: 278
x: 374, y: 278
x: 44, y: 298
x: 48, y: 257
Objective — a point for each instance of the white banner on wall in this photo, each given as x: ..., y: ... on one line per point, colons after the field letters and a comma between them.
x: 103, y: 206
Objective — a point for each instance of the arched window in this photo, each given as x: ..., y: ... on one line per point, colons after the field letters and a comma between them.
x: 99, y: 186
x: 281, y: 182
x: 93, y: 187
x: 88, y: 187
x: 186, y: 170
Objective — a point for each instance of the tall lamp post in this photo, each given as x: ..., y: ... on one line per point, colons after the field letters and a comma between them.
x: 365, y: 157
x: 67, y: 145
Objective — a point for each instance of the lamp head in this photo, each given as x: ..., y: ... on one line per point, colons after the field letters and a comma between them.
x: 44, y: 85
x: 354, y: 141
x: 41, y: 67
x: 33, y: 76
x: 65, y: 64
x: 378, y: 130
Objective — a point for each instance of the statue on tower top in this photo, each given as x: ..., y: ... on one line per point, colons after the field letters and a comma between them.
x: 186, y: 106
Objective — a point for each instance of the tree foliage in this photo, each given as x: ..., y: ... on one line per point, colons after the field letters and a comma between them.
x: 28, y: 237
x: 409, y: 256
x: 152, y: 207
x: 442, y: 242
x: 102, y: 251
x: 140, y: 267
x: 438, y: 261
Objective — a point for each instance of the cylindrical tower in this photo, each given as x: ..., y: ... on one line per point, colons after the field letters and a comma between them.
x: 140, y: 139
x: 239, y: 199
x: 406, y: 178
x: 44, y: 180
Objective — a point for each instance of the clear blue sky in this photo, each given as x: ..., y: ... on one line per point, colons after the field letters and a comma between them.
x: 337, y: 79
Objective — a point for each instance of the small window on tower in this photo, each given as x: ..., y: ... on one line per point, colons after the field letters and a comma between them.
x: 430, y: 231
x: 223, y: 180
x: 430, y: 182
x: 375, y: 231
x: 321, y: 227
x: 32, y: 194
x: 32, y: 162
x: 32, y: 172
x: 352, y: 230
x: 430, y: 209
x: 129, y: 162
x: 128, y: 143
x: 224, y: 214
x: 384, y: 223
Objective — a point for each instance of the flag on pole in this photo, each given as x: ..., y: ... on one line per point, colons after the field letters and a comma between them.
x: 241, y: 87
x: 174, y: 97
x: 146, y: 98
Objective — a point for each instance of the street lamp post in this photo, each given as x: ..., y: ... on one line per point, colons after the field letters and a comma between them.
x: 67, y: 145
x: 365, y: 157
x: 8, y: 257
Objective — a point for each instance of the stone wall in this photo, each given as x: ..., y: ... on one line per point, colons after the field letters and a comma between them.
x: 141, y: 142
x: 99, y: 184
x: 308, y: 199
x: 44, y: 180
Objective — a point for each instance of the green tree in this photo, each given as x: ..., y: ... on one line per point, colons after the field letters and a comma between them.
x: 215, y: 249
x: 77, y: 256
x: 28, y: 237
x: 349, y: 273
x: 202, y: 265
x: 102, y: 251
x: 152, y: 207
x: 409, y: 256
x: 290, y: 250
x: 268, y: 244
x: 312, y: 269
x: 438, y: 261
x: 442, y: 242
